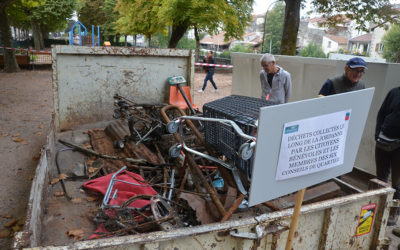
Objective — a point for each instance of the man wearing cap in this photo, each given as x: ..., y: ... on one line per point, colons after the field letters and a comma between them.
x: 349, y: 81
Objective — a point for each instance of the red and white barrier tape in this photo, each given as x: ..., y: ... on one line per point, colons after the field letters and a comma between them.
x: 216, y: 65
x: 30, y: 50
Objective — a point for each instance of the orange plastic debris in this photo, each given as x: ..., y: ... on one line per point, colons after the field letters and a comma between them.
x: 176, y: 98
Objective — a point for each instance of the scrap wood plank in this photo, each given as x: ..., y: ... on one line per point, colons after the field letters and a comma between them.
x: 321, y: 192
x: 102, y: 144
x: 117, y: 130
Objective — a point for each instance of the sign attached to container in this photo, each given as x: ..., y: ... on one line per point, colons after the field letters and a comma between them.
x: 300, y: 144
x: 312, y: 145
x: 367, y: 215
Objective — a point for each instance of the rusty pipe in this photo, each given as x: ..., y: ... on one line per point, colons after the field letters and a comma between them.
x: 233, y: 208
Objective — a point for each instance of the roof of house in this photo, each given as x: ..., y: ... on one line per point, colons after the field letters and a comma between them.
x: 321, y: 20
x: 216, y: 39
x: 338, y: 39
x: 362, y: 38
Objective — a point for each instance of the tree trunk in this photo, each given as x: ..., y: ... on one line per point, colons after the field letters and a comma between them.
x: 126, y: 42
x: 196, y: 35
x: 149, y: 38
x: 135, y: 41
x: 177, y: 33
x: 290, y: 27
x: 10, y: 62
x: 37, y: 35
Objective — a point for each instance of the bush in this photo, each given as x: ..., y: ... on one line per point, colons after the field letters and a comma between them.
x: 312, y: 50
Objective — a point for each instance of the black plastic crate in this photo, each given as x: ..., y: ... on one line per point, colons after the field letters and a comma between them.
x: 244, y: 111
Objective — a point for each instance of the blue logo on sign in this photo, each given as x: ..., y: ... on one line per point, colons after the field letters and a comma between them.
x: 291, y: 129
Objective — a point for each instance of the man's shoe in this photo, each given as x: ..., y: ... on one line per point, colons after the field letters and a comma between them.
x: 215, y: 90
x: 396, y: 231
x: 200, y: 91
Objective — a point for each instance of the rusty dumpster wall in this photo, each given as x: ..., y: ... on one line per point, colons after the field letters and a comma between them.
x: 85, y: 79
x: 329, y: 224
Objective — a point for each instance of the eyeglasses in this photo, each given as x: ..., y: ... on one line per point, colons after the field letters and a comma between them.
x: 358, y: 71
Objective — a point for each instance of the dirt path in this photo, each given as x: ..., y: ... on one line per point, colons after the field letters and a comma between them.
x: 25, y: 109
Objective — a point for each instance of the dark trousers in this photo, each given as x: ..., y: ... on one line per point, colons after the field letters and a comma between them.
x: 386, y: 162
x: 209, y: 76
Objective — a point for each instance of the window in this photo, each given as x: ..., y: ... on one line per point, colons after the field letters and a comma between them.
x: 380, y: 49
x: 329, y: 44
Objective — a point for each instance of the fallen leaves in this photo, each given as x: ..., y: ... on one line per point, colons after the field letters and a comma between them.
x: 5, y: 233
x: 4, y: 135
x: 56, y: 180
x: 92, y: 170
x: 40, y: 125
x: 10, y: 223
x: 7, y: 216
x: 58, y: 193
x: 12, y: 226
x: 36, y: 157
x: 18, y: 139
x: 76, y: 233
x: 37, y: 133
x: 76, y: 200
x: 91, y: 198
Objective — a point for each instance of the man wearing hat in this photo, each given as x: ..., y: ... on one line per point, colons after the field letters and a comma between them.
x: 349, y: 81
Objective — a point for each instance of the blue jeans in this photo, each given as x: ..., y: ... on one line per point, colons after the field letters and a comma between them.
x: 209, y: 76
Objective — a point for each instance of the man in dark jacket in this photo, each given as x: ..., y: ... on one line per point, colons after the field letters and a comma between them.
x: 210, y: 73
x: 388, y: 125
x: 349, y: 81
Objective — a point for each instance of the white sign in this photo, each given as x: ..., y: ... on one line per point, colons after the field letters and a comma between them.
x: 312, y: 145
x: 269, y: 148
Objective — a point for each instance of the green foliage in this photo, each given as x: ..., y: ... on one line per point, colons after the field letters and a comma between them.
x: 312, y: 50
x: 241, y: 48
x: 20, y: 12
x: 159, y: 40
x: 53, y: 15
x: 111, y: 16
x: 151, y: 16
x: 186, y: 43
x: 274, y: 28
x: 91, y: 12
x: 225, y: 54
x: 391, y: 42
x: 362, y: 11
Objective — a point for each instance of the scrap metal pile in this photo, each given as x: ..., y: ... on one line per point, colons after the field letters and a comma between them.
x: 155, y: 170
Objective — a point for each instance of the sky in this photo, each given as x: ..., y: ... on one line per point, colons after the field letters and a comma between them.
x: 260, y: 6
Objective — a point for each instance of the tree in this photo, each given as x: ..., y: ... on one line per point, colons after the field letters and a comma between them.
x: 139, y: 17
x: 10, y: 63
x: 43, y: 16
x: 273, y: 29
x: 51, y: 16
x: 363, y: 11
x: 203, y: 15
x: 312, y: 50
x: 290, y: 27
x: 391, y: 42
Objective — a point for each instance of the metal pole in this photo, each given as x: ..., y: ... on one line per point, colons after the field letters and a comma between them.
x: 80, y: 39
x: 93, y: 35
x: 98, y: 35
x: 270, y: 45
x: 265, y: 22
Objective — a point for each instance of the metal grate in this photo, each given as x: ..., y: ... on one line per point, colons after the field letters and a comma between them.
x: 244, y: 111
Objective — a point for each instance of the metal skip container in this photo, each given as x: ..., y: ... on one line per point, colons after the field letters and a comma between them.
x: 355, y: 220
